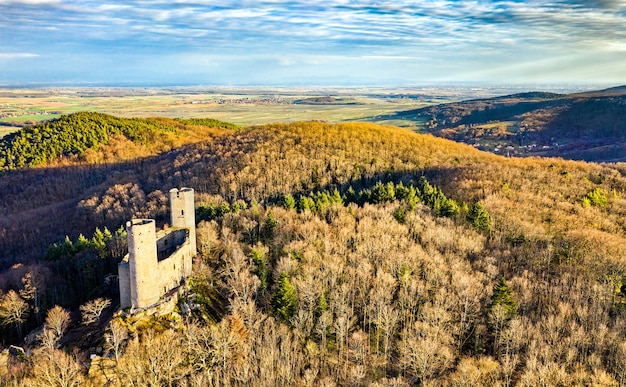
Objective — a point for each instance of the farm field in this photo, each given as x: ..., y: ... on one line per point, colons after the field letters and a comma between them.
x: 242, y: 106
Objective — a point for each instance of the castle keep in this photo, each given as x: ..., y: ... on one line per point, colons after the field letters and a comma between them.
x: 158, y: 262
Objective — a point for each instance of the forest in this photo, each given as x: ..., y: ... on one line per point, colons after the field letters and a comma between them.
x: 581, y: 126
x: 75, y: 135
x: 329, y: 254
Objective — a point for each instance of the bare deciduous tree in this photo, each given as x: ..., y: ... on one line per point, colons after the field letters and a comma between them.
x: 155, y: 360
x: 58, y: 319
x: 13, y: 310
x: 92, y: 310
x: 48, y: 339
x: 57, y: 368
x: 115, y: 337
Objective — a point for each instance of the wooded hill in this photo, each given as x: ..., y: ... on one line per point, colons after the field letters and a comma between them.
x: 583, y: 126
x: 95, y: 137
x: 349, y: 254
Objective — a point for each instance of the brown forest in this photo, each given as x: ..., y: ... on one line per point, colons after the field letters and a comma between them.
x: 519, y: 282
x: 582, y: 126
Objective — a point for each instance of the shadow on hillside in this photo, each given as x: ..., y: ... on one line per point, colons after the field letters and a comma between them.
x: 578, y: 128
x: 40, y: 206
x: 471, y: 112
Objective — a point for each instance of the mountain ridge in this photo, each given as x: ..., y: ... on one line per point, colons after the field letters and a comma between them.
x: 587, y: 126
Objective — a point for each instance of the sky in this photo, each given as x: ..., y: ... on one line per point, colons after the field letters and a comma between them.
x: 308, y: 42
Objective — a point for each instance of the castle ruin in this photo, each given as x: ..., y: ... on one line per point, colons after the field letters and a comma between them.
x: 158, y: 262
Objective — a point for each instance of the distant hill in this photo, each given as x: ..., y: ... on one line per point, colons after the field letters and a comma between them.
x: 325, y: 101
x: 610, y: 92
x: 97, y: 137
x: 587, y: 126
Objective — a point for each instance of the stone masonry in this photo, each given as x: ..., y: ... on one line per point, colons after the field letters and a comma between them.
x: 158, y: 262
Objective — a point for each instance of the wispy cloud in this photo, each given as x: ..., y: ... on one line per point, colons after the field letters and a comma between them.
x: 29, y: 2
x: 17, y: 55
x: 442, y: 34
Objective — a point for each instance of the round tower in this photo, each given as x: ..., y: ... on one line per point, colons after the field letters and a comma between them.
x: 183, y: 212
x: 142, y: 262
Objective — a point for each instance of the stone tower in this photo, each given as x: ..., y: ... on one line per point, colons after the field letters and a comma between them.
x: 158, y: 262
x: 183, y: 212
x: 142, y: 261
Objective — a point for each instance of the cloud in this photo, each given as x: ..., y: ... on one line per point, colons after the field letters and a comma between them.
x: 336, y: 23
x: 470, y: 33
x: 29, y: 2
x: 17, y: 55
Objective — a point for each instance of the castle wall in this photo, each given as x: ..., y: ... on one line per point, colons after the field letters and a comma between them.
x: 158, y: 262
x: 175, y: 269
x: 123, y: 271
x: 169, y: 241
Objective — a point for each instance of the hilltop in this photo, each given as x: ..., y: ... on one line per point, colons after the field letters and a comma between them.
x: 341, y: 253
x: 583, y: 126
x: 95, y: 137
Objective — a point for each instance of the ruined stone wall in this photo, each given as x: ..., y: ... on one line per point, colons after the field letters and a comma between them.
x: 175, y: 269
x: 123, y: 271
x: 158, y: 262
x: 168, y: 241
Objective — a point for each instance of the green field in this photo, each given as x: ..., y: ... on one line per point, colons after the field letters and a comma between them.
x: 242, y: 106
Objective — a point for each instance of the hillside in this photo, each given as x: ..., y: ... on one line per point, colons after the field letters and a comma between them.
x: 95, y: 137
x: 584, y: 126
x: 350, y: 254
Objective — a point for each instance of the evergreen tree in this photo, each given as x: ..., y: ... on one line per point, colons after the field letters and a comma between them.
x: 351, y: 195
x: 322, y: 305
x: 289, y: 202
x: 382, y: 193
x: 284, y: 301
x: 479, y: 217
x: 449, y: 208
x: 269, y: 227
x: 223, y: 209
x: 597, y: 197
x: 305, y: 203
x: 239, y: 205
x: 82, y: 243
x: 261, y: 270
x: 400, y: 215
x: 98, y: 241
x: 502, y: 295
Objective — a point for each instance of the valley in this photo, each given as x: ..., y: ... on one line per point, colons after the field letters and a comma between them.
x: 240, y: 105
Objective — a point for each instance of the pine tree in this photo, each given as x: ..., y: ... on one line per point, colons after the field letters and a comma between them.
x: 269, y: 227
x: 285, y: 300
x: 503, y: 296
x: 97, y: 240
x: 261, y: 270
x: 322, y: 305
x: 479, y: 217
x: 289, y: 202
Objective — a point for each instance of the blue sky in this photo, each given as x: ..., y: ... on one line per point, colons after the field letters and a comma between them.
x: 304, y: 42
